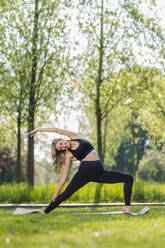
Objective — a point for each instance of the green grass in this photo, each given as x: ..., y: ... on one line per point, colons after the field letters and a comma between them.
x: 60, y: 229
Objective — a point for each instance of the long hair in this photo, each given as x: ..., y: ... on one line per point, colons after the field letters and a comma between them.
x: 58, y: 157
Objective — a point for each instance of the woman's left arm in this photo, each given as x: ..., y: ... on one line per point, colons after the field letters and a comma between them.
x: 68, y: 133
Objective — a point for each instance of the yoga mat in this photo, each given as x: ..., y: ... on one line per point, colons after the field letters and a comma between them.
x: 20, y: 211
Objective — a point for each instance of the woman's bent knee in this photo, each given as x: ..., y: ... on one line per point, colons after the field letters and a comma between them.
x: 131, y: 179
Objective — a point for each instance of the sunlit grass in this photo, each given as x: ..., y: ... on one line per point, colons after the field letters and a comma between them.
x: 62, y: 229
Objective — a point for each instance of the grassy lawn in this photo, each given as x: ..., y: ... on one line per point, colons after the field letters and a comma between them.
x: 61, y: 229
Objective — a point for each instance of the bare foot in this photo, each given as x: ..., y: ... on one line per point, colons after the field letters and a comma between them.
x: 126, y: 209
x: 38, y: 211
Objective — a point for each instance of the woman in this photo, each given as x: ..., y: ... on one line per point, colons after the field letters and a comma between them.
x: 90, y: 170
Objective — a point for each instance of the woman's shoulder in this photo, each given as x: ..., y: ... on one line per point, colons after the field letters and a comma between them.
x: 69, y: 155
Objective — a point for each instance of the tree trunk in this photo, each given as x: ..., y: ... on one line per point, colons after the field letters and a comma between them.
x: 98, y: 104
x: 99, y: 134
x: 18, y: 169
x: 98, y: 84
x: 133, y: 146
x: 30, y: 171
x: 104, y: 137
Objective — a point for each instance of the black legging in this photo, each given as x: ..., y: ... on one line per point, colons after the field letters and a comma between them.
x: 93, y: 171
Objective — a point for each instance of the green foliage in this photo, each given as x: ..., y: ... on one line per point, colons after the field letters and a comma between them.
x: 152, y: 166
x: 129, y: 38
x: 116, y: 69
x: 7, y: 166
x: 32, y: 74
x: 7, y: 139
x: 16, y: 40
x: 153, y: 111
x: 124, y: 157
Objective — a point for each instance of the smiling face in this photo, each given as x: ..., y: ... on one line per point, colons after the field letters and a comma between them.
x: 62, y: 145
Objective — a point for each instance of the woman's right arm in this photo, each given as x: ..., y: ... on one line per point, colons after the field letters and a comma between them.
x: 63, y: 177
x: 70, y: 134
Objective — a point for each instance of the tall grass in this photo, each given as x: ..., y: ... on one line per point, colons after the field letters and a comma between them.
x: 92, y: 192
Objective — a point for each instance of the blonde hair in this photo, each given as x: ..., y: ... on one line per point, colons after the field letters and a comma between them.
x: 58, y: 157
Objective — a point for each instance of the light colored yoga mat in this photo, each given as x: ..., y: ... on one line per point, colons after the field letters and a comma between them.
x: 141, y: 212
x: 24, y: 211
x: 19, y: 211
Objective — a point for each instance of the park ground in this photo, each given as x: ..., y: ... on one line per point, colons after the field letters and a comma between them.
x: 61, y: 229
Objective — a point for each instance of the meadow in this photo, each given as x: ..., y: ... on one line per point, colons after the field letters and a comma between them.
x: 63, y: 230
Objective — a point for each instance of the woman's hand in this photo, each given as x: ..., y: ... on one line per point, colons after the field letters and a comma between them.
x: 54, y: 198
x: 32, y: 133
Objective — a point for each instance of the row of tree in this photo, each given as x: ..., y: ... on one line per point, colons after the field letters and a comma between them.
x: 118, y: 69
x: 33, y: 61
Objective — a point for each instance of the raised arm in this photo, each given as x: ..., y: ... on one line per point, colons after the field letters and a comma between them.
x: 67, y: 133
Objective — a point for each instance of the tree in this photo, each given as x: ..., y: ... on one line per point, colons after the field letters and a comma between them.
x: 7, y: 166
x: 152, y: 166
x: 128, y: 155
x: 108, y: 64
x: 34, y: 54
x: 41, y: 59
x: 153, y: 113
x: 13, y: 98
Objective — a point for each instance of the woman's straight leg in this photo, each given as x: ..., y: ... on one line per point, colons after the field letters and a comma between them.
x: 76, y: 183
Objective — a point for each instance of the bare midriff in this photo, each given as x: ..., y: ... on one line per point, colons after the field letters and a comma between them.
x: 92, y: 156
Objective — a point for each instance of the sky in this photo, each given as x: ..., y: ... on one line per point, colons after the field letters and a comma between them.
x: 161, y: 6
